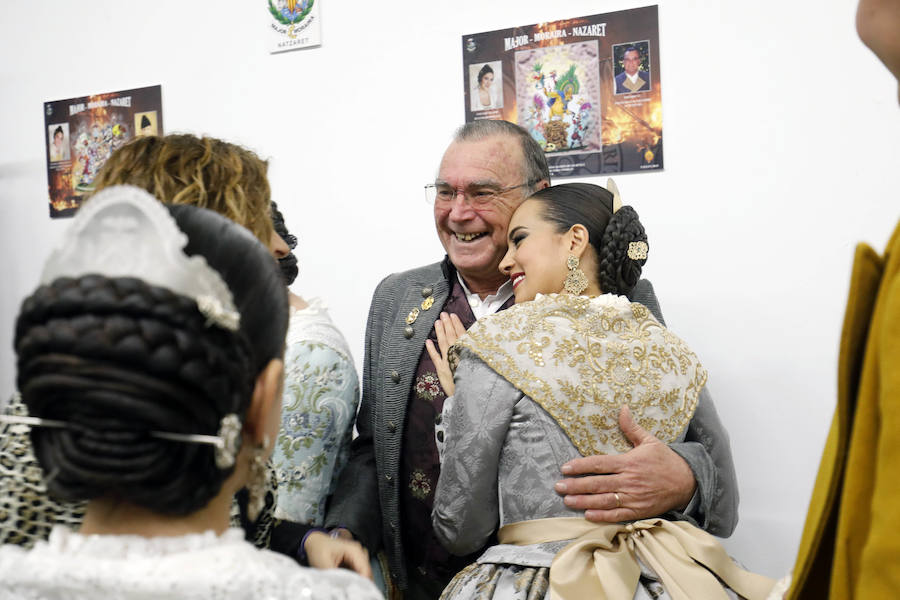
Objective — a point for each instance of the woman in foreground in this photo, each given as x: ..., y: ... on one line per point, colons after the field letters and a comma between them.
x: 549, y: 380
x: 155, y: 398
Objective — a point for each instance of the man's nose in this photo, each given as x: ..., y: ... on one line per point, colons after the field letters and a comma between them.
x: 460, y: 207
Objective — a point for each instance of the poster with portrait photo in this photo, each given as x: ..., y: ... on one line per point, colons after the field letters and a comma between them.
x: 58, y: 142
x: 93, y: 127
x: 486, y: 80
x: 558, y: 81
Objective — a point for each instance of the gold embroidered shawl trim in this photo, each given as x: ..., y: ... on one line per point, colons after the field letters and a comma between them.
x: 581, y: 358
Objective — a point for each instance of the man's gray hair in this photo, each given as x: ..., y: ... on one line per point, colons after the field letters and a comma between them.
x: 535, y: 163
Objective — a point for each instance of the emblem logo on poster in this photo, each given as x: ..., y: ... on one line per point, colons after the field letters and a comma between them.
x: 291, y: 13
x: 470, y: 45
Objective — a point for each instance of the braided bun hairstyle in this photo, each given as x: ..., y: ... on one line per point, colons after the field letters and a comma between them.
x: 609, y: 233
x: 117, y: 358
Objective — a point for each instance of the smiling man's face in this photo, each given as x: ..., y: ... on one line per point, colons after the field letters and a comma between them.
x: 475, y: 237
x: 631, y: 61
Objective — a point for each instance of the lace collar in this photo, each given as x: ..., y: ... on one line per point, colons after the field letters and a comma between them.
x: 66, y: 541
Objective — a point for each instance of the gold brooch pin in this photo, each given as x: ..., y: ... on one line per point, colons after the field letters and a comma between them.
x: 427, y: 302
x: 412, y: 316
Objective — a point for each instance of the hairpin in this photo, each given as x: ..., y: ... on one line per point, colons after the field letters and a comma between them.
x: 227, y: 441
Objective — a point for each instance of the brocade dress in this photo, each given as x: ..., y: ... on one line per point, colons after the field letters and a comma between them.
x: 321, y: 393
x: 536, y: 386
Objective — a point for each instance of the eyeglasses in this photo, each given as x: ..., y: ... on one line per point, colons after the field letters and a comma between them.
x: 441, y: 194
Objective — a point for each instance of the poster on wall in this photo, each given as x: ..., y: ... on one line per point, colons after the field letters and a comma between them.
x: 81, y: 133
x: 587, y: 89
x: 293, y: 24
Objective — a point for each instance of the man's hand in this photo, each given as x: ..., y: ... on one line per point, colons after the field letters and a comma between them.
x: 326, y: 552
x: 644, y: 482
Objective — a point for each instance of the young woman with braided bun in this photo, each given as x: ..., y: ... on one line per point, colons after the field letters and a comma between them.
x: 550, y: 380
x: 177, y: 169
x: 155, y: 398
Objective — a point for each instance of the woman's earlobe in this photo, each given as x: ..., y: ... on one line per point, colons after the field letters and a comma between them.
x: 264, y: 413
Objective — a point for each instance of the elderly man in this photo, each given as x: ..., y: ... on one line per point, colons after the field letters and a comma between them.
x: 385, y: 494
x: 632, y: 79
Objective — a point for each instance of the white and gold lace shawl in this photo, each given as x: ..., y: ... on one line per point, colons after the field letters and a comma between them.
x: 582, y: 358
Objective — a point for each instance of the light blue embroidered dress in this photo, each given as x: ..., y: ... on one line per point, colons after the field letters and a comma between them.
x: 321, y: 394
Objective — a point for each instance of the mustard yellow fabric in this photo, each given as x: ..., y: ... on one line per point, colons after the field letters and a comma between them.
x: 851, y: 541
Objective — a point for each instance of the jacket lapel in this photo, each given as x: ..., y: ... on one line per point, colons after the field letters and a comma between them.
x: 400, y: 351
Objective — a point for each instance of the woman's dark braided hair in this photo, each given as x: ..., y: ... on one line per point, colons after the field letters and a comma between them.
x: 609, y: 233
x: 117, y: 358
x: 287, y: 264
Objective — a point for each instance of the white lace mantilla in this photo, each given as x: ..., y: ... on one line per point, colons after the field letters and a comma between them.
x: 125, y: 232
x: 582, y: 358
x: 70, y: 566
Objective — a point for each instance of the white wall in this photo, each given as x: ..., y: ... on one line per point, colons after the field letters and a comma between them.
x: 772, y: 174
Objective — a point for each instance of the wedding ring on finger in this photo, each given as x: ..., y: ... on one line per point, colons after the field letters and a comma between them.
x: 618, y: 500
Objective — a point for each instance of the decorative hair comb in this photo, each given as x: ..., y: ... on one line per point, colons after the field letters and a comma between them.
x: 617, y: 197
x: 123, y: 231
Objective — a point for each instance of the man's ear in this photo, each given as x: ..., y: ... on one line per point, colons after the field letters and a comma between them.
x: 578, y: 239
x: 263, y: 417
x: 543, y: 183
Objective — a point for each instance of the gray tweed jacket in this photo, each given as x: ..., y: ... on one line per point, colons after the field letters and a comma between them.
x: 367, y: 497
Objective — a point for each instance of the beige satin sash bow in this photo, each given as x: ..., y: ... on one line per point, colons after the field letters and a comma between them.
x: 600, y: 562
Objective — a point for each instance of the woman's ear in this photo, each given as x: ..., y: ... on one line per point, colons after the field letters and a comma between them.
x: 577, y: 239
x: 263, y: 417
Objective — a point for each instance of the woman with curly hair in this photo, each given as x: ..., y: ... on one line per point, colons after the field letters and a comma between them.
x: 550, y: 380
x: 321, y: 395
x: 201, y: 171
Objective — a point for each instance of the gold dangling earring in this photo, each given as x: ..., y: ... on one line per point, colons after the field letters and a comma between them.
x: 576, y: 280
x: 256, y: 481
